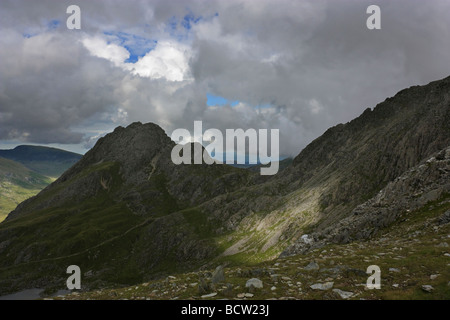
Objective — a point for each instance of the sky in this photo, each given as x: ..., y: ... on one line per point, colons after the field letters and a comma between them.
x: 300, y: 66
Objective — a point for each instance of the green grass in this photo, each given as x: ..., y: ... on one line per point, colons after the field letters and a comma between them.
x: 18, y: 183
x: 416, y: 255
x: 92, y: 234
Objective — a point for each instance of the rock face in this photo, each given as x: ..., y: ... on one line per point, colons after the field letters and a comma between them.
x: 353, y: 161
x: 412, y: 190
x: 127, y: 213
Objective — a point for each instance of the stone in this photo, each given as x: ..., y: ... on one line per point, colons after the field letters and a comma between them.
x: 248, y: 295
x: 306, y: 239
x: 275, y: 276
x: 255, y: 282
x: 228, y: 291
x: 394, y: 270
x: 322, y: 286
x: 273, y: 288
x: 445, y: 218
x: 427, y: 288
x: 434, y: 276
x: 204, y: 287
x: 343, y: 294
x: 350, y: 273
x: 218, y: 275
x: 210, y: 295
x: 311, y: 266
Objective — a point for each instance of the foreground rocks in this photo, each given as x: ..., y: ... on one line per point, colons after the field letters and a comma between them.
x: 336, y: 272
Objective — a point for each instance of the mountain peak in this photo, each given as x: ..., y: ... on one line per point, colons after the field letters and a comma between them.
x: 135, y: 143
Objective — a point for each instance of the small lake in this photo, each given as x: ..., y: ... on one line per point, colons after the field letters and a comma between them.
x: 31, y: 294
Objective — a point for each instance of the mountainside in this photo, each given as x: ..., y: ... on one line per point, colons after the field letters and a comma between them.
x: 126, y: 214
x: 122, y: 209
x: 359, y: 158
x: 408, y: 193
x: 17, y: 183
x: 47, y: 161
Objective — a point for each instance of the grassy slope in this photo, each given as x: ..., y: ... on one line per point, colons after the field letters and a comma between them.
x: 97, y: 234
x: 17, y: 183
x: 414, y: 247
x: 100, y: 234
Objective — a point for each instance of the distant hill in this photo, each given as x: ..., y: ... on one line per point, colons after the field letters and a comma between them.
x: 26, y: 170
x: 18, y: 183
x: 283, y: 164
x: 47, y: 161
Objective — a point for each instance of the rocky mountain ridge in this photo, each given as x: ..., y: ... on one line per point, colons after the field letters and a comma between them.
x: 418, y: 186
x: 126, y: 214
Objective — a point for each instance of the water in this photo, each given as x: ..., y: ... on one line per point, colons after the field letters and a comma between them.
x: 30, y: 294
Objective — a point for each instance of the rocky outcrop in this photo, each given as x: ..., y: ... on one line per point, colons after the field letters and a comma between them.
x: 351, y: 162
x: 411, y: 191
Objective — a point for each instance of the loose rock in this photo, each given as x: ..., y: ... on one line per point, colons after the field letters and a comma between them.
x: 218, y: 275
x: 343, y: 294
x: 427, y: 288
x: 322, y: 286
x: 311, y: 266
x: 256, y: 283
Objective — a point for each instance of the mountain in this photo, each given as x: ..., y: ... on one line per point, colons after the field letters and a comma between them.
x: 47, y: 161
x: 126, y: 214
x: 122, y: 209
x: 351, y: 162
x: 18, y: 183
x: 26, y: 170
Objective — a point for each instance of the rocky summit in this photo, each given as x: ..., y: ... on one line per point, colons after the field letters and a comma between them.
x: 358, y: 195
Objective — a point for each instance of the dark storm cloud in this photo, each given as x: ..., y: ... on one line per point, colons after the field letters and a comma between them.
x: 46, y: 89
x: 313, y: 62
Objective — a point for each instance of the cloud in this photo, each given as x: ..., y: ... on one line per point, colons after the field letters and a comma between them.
x: 168, y: 61
x: 311, y: 64
x: 99, y: 47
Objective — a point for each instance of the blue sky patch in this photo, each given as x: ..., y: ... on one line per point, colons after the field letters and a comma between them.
x: 189, y: 20
x: 53, y: 24
x: 213, y: 100
x: 50, y: 25
x: 136, y: 45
